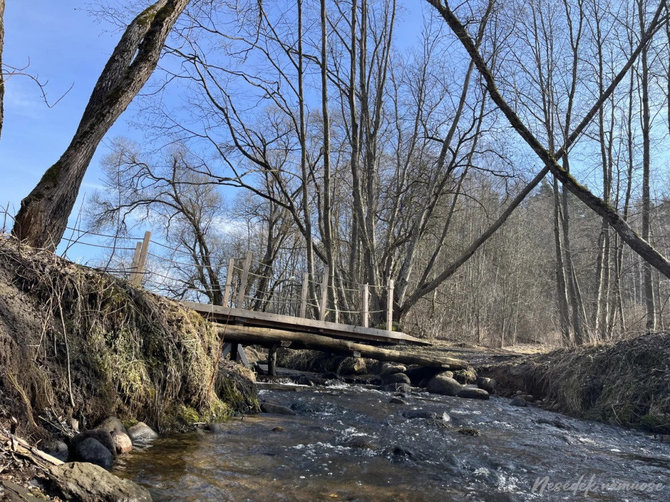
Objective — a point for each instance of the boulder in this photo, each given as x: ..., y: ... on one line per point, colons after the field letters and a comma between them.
x: 56, y: 448
x: 91, y: 483
x: 91, y: 450
x: 401, y: 388
x: 396, y: 378
x: 277, y: 409
x: 216, y: 428
x: 122, y: 442
x: 518, y: 401
x: 141, y: 433
x: 488, y: 384
x: 352, y: 366
x: 473, y: 393
x: 391, y: 368
x: 111, y: 424
x: 421, y: 374
x: 466, y: 376
x: 443, y: 384
x: 414, y: 414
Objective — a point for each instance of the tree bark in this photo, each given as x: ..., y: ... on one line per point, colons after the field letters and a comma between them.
x: 646, y: 161
x: 43, y: 216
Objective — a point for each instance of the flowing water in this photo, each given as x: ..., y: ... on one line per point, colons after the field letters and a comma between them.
x: 351, y: 443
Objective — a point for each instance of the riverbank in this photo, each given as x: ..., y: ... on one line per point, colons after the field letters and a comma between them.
x: 77, y: 346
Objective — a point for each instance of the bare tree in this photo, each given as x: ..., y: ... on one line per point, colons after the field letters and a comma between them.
x: 614, y: 219
x: 42, y: 218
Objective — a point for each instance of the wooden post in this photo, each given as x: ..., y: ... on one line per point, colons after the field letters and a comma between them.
x: 140, y: 263
x: 272, y: 360
x: 365, y: 297
x: 229, y: 282
x: 243, y: 281
x: 389, y: 307
x: 324, y: 297
x: 303, y: 295
x: 135, y: 264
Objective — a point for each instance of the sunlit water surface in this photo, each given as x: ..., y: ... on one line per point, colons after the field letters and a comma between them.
x: 351, y: 443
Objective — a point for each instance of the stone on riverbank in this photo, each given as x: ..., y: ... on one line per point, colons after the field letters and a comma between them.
x: 90, y: 483
x: 122, y: 442
x: 444, y: 384
x: 473, y: 393
x: 111, y: 424
x: 395, y: 378
x: 390, y: 369
x: 488, y: 384
x: 91, y: 450
x: 56, y: 448
x: 142, y: 433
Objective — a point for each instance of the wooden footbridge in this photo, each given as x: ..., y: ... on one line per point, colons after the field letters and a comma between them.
x: 243, y: 327
x: 246, y: 317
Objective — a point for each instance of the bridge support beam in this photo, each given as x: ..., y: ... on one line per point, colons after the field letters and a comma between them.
x: 269, y: 337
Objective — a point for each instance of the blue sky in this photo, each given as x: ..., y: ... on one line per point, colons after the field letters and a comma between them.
x: 65, y: 46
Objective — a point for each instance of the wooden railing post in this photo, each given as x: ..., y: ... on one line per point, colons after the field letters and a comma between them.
x: 303, y: 295
x: 140, y: 259
x: 244, y: 280
x: 365, y: 299
x: 324, y: 297
x: 135, y: 264
x: 229, y: 282
x: 389, y: 307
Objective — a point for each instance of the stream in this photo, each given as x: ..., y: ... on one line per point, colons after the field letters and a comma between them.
x: 351, y: 443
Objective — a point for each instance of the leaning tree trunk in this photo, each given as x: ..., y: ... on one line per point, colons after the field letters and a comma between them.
x: 42, y: 219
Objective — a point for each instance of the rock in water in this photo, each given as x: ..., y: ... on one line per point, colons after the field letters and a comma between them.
x: 473, y: 393
x: 390, y: 369
x: 276, y: 408
x: 518, y: 401
x: 401, y: 388
x: 216, y: 428
x: 488, y: 384
x: 91, y: 450
x: 396, y: 378
x: 142, y: 433
x: 111, y: 424
x: 90, y: 483
x: 414, y: 414
x: 443, y: 384
x: 122, y: 442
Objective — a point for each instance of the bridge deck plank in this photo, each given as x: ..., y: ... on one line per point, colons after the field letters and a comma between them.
x: 335, y: 330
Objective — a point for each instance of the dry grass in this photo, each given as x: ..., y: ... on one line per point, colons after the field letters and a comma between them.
x: 627, y: 383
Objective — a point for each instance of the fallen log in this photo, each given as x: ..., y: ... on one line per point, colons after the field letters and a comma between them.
x: 268, y: 337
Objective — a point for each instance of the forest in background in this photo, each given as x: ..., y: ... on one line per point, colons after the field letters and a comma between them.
x: 355, y: 139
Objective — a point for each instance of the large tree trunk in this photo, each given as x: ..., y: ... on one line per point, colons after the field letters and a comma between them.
x: 43, y: 216
x: 646, y: 161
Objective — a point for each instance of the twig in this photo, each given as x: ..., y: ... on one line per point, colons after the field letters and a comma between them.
x: 67, y: 352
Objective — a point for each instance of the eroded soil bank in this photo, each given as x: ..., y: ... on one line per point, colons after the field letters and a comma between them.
x: 77, y: 346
